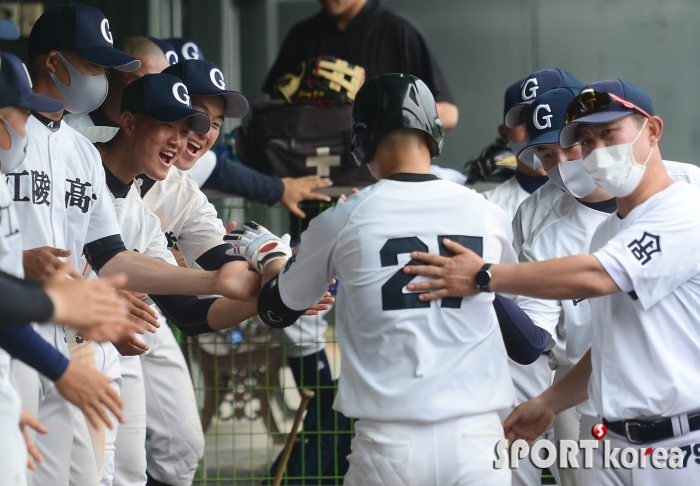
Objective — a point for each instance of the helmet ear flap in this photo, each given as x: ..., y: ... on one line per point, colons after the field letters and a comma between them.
x: 358, y: 142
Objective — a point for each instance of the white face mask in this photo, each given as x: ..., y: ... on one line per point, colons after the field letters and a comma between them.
x: 614, y: 168
x: 529, y: 159
x: 571, y: 178
x: 12, y: 157
x: 84, y: 93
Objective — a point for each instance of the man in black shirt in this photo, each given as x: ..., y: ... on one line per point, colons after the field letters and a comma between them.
x: 368, y: 34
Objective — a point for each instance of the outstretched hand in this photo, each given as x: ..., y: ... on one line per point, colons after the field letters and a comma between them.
x: 301, y: 189
x: 528, y: 421
x: 452, y: 276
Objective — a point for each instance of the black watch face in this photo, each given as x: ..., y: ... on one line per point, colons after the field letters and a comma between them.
x: 482, y: 279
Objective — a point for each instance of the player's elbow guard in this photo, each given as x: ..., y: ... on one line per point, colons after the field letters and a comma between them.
x: 272, y: 310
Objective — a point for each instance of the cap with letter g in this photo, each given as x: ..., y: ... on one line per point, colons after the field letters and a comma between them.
x: 204, y: 78
x: 164, y: 98
x: 536, y: 84
x: 545, y: 118
x: 16, y: 88
x: 81, y: 29
x: 604, y: 102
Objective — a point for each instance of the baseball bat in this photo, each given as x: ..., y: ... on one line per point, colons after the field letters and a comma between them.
x: 306, y: 396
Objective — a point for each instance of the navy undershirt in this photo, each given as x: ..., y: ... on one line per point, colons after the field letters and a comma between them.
x: 530, y: 183
x: 608, y: 206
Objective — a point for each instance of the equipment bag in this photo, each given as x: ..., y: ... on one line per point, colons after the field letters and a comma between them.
x: 297, y: 140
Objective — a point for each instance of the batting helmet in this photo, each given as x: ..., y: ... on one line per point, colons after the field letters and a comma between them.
x: 391, y: 102
x: 496, y: 163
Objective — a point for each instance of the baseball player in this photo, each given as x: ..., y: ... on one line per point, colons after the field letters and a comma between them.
x: 74, y: 303
x: 566, y: 230
x: 148, y: 104
x: 529, y: 175
x: 644, y: 319
x: 532, y: 379
x: 61, y: 202
x: 398, y: 353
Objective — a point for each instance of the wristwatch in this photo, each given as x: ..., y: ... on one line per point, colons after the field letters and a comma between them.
x: 483, y: 278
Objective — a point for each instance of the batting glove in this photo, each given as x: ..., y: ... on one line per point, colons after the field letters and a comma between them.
x: 258, y: 245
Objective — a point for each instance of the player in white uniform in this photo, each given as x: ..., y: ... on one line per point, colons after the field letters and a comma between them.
x: 59, y: 191
x: 641, y: 371
x: 530, y: 380
x: 399, y: 354
x: 132, y: 151
x: 566, y: 230
x: 64, y: 301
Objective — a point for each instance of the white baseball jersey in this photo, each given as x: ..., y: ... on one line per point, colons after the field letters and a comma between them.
x: 60, y: 195
x: 201, y: 171
x: 646, y: 339
x: 187, y: 218
x: 10, y: 262
x: 566, y: 230
x: 140, y: 229
x: 507, y: 195
x: 532, y: 211
x: 404, y: 359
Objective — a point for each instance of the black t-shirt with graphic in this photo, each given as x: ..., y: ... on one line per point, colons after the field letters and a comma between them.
x: 378, y: 39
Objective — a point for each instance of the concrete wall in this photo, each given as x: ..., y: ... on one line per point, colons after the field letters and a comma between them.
x: 484, y: 45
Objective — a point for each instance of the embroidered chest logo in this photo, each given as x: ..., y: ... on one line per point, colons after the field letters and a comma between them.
x: 77, y: 195
x: 645, y: 247
x: 41, y: 186
x: 172, y: 240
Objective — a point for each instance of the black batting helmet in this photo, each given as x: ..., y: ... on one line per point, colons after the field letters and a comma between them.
x: 391, y: 102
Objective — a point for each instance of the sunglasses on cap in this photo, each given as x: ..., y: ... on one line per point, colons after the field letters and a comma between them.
x: 590, y: 101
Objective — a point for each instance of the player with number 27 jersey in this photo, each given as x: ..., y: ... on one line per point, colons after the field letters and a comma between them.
x: 422, y: 361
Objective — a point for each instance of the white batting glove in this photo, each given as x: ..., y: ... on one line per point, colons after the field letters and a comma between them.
x: 258, y: 245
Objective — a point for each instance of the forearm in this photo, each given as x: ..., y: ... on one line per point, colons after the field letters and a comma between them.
x: 572, y: 277
x: 273, y: 269
x: 572, y: 389
x: 23, y: 301
x: 225, y: 313
x: 524, y: 340
x: 23, y: 343
x: 152, y: 276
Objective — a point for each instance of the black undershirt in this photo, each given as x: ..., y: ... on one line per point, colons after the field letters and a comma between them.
x: 52, y: 125
x: 378, y: 39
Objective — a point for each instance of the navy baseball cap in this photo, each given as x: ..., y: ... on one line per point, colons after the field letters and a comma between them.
x: 623, y: 99
x: 185, y: 48
x: 206, y: 79
x: 16, y: 87
x: 511, y: 97
x: 165, y: 98
x: 167, y: 48
x: 536, y: 84
x: 545, y: 117
x: 81, y: 29
x: 8, y: 30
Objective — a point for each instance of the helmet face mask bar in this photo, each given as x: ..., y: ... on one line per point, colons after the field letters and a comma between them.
x: 392, y: 102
